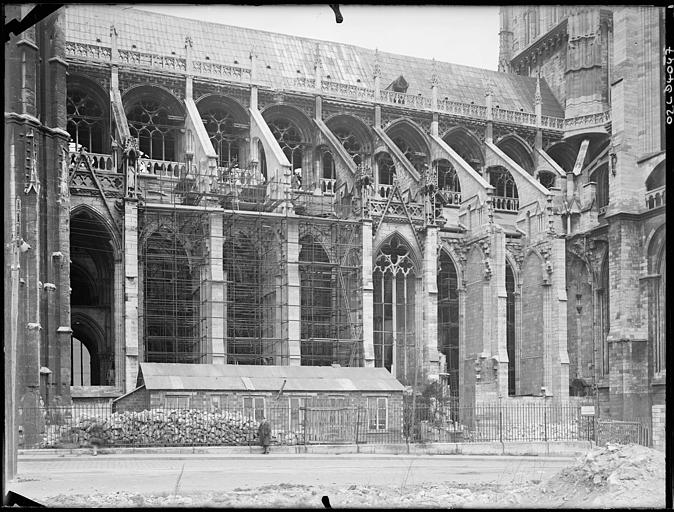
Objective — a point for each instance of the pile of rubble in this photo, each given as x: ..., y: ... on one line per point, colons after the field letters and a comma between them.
x: 611, y: 476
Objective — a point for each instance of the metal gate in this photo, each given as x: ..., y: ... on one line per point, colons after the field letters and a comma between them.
x: 330, y: 425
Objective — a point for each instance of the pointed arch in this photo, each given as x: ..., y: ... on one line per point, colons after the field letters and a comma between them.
x: 532, y: 348
x: 293, y: 116
x: 110, y: 228
x: 353, y: 133
x: 511, y: 331
x: 227, y: 125
x: 518, y: 150
x: 467, y: 145
x: 394, y: 278
x: 170, y: 316
x: 90, y: 334
x: 88, y: 114
x: 448, y: 318
x: 155, y: 117
x: 656, y: 178
x: 412, y: 134
x: 564, y: 154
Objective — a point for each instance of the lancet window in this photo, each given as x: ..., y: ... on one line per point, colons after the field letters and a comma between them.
x: 394, y: 279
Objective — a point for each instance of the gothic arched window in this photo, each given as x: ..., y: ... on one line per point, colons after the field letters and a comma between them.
x: 170, y: 306
x: 603, y: 299
x: 150, y: 122
x: 224, y: 136
x: 317, y: 287
x: 448, y: 183
x: 510, y: 327
x: 394, y: 279
x: 416, y: 158
x: 289, y: 139
x: 351, y: 144
x: 600, y: 176
x: 386, y: 172
x: 87, y: 120
x: 448, y: 319
x: 505, y: 193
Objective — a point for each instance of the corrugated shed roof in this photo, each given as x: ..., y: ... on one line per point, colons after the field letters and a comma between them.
x: 225, y: 377
x: 283, y: 55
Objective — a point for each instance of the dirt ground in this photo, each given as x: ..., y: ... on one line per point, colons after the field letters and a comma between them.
x: 607, y: 477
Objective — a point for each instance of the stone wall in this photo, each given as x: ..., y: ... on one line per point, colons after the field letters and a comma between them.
x: 658, y: 422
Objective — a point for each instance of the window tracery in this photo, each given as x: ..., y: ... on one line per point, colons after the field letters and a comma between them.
x: 149, y: 121
x: 86, y: 121
x: 416, y: 158
x: 350, y: 143
x: 289, y: 139
x: 224, y: 136
x: 394, y: 280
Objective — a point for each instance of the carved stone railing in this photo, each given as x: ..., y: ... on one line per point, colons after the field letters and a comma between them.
x: 163, y: 168
x: 151, y: 60
x: 506, y: 204
x: 220, y: 70
x: 396, y: 209
x: 98, y: 161
x: 384, y: 191
x: 240, y: 177
x: 408, y: 100
x: 347, y: 90
x: 655, y: 198
x: 552, y: 123
x: 88, y: 51
x: 462, y: 109
x: 513, y: 116
x: 327, y: 186
x: 587, y: 121
x: 300, y: 82
x: 450, y: 197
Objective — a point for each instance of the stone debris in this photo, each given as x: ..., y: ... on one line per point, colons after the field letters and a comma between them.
x: 606, y: 477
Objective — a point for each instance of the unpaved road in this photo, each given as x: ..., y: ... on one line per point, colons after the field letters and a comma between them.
x: 43, y: 477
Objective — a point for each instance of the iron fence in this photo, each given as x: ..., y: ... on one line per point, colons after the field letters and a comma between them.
x: 393, y: 423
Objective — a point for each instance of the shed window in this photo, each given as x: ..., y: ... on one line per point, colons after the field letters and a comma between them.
x: 177, y: 401
x: 253, y: 408
x: 377, y: 408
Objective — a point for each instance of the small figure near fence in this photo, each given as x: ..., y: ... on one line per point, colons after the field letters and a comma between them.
x: 264, y: 433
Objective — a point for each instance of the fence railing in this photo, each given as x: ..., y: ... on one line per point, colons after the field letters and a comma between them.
x: 215, y: 424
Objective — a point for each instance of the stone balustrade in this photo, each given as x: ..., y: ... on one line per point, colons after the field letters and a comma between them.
x: 655, y: 198
x: 98, y: 161
x: 506, y: 204
x: 327, y: 186
x: 162, y: 168
x: 450, y: 197
x: 330, y: 87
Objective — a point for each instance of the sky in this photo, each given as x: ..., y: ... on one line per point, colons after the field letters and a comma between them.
x: 460, y: 35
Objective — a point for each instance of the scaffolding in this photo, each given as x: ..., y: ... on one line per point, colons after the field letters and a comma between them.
x: 171, y: 259
x: 263, y: 315
x: 331, y: 293
x: 256, y: 322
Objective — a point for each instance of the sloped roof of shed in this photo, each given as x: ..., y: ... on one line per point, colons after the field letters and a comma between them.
x: 227, y: 377
x: 281, y: 55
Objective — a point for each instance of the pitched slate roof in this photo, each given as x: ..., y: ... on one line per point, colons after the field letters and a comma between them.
x: 228, y: 377
x: 281, y: 55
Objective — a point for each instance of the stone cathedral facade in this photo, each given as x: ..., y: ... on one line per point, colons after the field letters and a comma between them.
x: 188, y: 192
